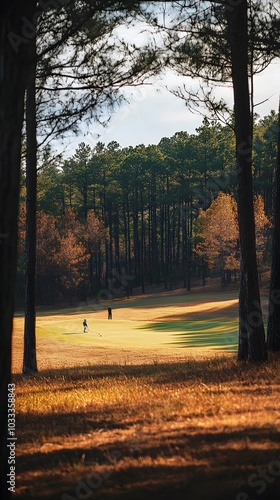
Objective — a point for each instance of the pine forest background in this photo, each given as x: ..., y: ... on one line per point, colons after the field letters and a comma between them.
x: 111, y: 219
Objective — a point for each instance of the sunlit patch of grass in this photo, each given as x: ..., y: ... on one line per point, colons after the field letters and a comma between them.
x: 218, y: 334
x: 208, y: 386
x: 183, y: 322
x: 81, y: 387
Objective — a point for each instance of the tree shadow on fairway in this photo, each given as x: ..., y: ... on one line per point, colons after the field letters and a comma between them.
x: 207, y: 370
x: 197, y: 430
x: 72, y: 333
x: 218, y: 334
x: 204, y: 465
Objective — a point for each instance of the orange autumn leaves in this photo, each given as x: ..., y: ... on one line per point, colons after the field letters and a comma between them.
x: 216, y: 232
x: 68, y: 248
x: 64, y: 247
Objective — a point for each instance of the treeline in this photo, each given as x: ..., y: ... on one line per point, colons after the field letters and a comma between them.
x: 111, y: 218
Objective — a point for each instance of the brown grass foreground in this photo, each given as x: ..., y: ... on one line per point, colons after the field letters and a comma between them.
x: 205, y: 428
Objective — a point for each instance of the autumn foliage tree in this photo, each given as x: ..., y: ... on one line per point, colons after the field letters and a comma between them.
x: 48, y: 239
x: 217, y: 235
x: 69, y: 254
x: 263, y: 224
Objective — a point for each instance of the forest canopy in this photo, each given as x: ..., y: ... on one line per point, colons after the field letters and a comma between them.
x: 108, y: 212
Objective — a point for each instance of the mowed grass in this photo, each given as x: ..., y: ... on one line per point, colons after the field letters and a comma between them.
x: 156, y: 408
x: 160, y: 322
x: 139, y: 334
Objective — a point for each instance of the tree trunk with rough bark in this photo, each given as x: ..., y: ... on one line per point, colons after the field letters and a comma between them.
x: 29, y: 355
x: 251, y: 329
x: 12, y: 86
x: 273, y: 325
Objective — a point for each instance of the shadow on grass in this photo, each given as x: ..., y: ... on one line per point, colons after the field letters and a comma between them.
x: 63, y: 452
x: 90, y: 422
x: 216, y: 470
x: 207, y: 370
x: 220, y: 334
x: 138, y: 483
x: 157, y: 301
x: 73, y: 333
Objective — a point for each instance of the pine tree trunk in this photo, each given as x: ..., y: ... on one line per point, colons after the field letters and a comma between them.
x: 117, y: 241
x: 155, y: 253
x: 184, y: 243
x: 110, y: 220
x: 189, y: 244
x: 128, y: 239
x: 12, y: 86
x: 243, y: 347
x: 29, y: 355
x: 178, y: 241
x: 136, y: 242
x: 91, y: 274
x: 273, y: 326
x: 251, y: 321
x: 142, y: 257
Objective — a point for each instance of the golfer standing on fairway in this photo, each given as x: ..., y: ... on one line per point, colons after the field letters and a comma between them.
x: 85, y: 325
x: 109, y: 312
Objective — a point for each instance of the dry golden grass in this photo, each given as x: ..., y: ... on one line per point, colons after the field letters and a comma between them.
x: 198, y: 429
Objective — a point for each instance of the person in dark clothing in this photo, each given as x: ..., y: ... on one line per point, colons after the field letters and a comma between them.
x: 110, y: 313
x: 85, y: 325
